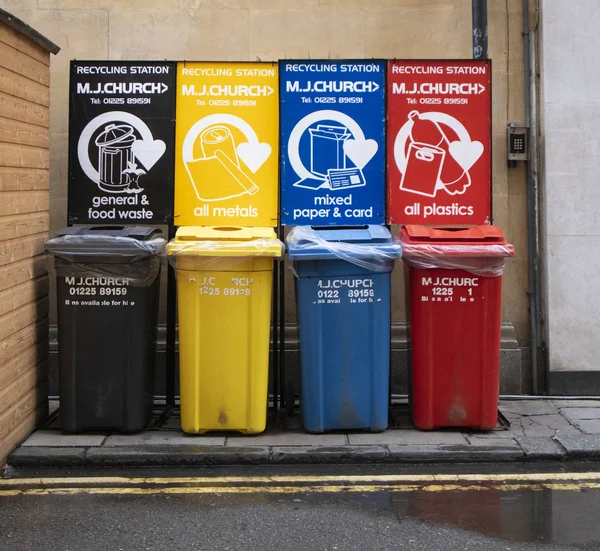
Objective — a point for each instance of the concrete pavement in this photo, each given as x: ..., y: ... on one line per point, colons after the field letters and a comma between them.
x: 540, y: 429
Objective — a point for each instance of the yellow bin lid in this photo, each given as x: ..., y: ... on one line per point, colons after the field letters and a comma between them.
x: 225, y: 241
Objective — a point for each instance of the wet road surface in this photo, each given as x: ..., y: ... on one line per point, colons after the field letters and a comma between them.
x: 496, y: 507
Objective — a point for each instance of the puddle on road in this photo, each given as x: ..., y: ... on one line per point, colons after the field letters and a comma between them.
x: 542, y: 516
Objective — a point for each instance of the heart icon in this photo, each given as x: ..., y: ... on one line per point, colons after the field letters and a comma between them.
x: 466, y: 153
x: 148, y: 152
x: 360, y: 152
x: 254, y: 155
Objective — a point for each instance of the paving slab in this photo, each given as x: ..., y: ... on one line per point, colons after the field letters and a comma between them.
x: 589, y: 427
x: 407, y: 437
x: 175, y: 456
x: 533, y: 430
x: 576, y: 403
x: 556, y: 422
x: 333, y: 455
x: 542, y: 448
x: 456, y: 454
x: 574, y: 414
x: 514, y: 431
x: 59, y: 439
x: 476, y: 440
x: 580, y: 447
x: 540, y: 430
x: 288, y: 438
x: 163, y: 438
x: 509, y: 434
x: 511, y: 414
x: 482, y: 435
x: 528, y: 407
x: 47, y: 457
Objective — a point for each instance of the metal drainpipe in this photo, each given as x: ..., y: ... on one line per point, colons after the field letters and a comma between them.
x: 533, y: 230
x: 480, y: 29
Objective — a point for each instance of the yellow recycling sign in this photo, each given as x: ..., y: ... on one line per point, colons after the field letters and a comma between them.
x: 227, y: 133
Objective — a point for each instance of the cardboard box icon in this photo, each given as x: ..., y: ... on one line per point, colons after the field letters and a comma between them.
x: 327, y: 148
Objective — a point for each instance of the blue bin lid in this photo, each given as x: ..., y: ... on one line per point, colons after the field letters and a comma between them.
x: 367, y: 242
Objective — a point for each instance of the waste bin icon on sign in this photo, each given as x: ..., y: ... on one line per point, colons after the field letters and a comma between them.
x: 115, y: 158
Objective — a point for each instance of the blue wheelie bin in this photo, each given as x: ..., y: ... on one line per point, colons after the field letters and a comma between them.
x: 343, y: 296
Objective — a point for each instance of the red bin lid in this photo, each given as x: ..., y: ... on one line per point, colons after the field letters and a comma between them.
x: 476, y: 241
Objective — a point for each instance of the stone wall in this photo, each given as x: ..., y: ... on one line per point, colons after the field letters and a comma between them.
x: 570, y: 117
x: 273, y: 29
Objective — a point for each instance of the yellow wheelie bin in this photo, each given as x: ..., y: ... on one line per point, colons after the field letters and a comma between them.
x: 224, y: 287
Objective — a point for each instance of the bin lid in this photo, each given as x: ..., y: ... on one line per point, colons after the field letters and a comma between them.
x: 342, y: 242
x: 225, y: 241
x: 116, y: 135
x: 475, y: 241
x: 113, y: 244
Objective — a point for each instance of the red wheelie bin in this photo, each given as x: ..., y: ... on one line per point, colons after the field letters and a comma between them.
x: 455, y: 308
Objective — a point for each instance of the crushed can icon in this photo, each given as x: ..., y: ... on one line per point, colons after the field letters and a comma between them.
x: 216, y: 171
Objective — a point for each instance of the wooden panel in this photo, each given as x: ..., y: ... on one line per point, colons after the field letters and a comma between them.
x: 18, y: 434
x: 16, y: 343
x: 20, y: 225
x: 36, y: 354
x: 24, y: 140
x: 23, y: 44
x: 24, y: 156
x: 23, y: 384
x: 22, y: 317
x: 18, y: 132
x: 21, y: 87
x: 23, y: 179
x: 23, y: 202
x: 13, y: 417
x: 22, y: 294
x: 18, y: 249
x: 22, y: 110
x: 22, y: 64
x: 18, y: 272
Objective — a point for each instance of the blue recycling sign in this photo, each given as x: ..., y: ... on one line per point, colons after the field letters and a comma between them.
x: 332, y: 142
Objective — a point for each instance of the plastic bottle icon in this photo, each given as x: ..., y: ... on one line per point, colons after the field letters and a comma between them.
x: 428, y: 134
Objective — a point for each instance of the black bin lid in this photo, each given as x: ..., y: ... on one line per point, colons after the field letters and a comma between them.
x: 106, y: 243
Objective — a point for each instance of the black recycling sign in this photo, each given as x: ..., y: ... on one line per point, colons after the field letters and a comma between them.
x: 121, y: 142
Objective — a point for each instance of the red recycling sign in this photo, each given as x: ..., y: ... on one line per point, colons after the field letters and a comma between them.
x: 439, y: 142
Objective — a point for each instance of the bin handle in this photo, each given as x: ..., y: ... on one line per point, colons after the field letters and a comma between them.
x: 105, y: 228
x: 473, y: 233
x: 235, y: 233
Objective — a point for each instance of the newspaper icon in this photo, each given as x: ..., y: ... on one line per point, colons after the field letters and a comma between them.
x: 344, y: 178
